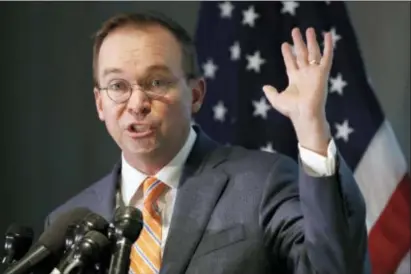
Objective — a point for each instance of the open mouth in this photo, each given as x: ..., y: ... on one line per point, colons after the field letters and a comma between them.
x: 139, y: 130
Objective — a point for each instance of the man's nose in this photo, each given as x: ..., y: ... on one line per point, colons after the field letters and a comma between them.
x: 138, y: 102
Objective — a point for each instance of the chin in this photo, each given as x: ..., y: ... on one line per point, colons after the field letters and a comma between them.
x: 140, y: 146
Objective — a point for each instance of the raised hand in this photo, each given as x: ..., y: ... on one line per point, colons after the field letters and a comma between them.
x: 303, y: 101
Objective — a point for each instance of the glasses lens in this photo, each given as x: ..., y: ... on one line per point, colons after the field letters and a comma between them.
x: 119, y: 90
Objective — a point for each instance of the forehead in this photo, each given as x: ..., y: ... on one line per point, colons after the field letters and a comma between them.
x: 135, y: 50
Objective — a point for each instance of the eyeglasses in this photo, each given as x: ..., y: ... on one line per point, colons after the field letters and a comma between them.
x: 120, y: 90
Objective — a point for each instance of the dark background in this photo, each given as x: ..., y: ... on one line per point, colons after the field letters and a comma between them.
x: 53, y: 144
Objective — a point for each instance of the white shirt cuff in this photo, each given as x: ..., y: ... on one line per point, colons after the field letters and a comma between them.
x: 317, y: 165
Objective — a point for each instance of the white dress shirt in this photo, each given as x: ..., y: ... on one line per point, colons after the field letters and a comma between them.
x: 131, y: 179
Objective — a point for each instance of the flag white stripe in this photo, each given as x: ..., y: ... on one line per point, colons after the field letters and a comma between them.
x: 379, y: 172
x: 404, y: 267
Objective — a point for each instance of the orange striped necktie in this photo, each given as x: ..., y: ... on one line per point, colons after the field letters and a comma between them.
x: 146, y: 252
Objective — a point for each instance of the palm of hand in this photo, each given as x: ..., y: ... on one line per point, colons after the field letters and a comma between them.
x: 308, y: 71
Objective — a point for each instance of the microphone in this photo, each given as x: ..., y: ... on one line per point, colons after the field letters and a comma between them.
x: 88, y: 251
x: 128, y: 222
x: 17, y: 243
x: 92, y: 222
x: 70, y: 235
x: 50, y: 243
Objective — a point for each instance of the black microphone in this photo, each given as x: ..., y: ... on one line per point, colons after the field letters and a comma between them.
x: 70, y: 236
x: 92, y: 222
x: 17, y: 243
x: 128, y: 222
x: 50, y: 243
x: 87, y: 252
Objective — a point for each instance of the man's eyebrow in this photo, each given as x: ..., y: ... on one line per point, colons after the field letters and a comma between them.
x: 161, y: 68
x: 153, y: 68
x: 108, y: 71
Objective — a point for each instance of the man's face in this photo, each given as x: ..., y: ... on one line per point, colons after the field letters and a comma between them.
x: 146, y: 58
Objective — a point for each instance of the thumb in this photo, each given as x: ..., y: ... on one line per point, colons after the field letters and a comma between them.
x: 272, y: 95
x: 276, y: 99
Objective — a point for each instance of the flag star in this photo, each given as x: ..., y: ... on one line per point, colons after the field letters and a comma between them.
x: 335, y: 37
x: 209, y: 69
x: 219, y: 111
x: 268, y: 148
x: 343, y: 130
x: 261, y: 107
x: 337, y: 84
x: 289, y: 6
x: 255, y: 61
x: 249, y: 16
x: 226, y: 9
x: 235, y: 51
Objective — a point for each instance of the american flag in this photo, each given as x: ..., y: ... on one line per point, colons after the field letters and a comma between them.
x: 239, y: 51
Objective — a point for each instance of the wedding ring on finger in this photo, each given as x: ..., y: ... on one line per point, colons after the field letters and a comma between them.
x: 314, y: 62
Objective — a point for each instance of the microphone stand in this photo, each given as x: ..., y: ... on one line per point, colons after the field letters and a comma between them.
x: 75, y: 267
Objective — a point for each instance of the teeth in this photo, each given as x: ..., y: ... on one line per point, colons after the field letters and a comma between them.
x: 140, y: 127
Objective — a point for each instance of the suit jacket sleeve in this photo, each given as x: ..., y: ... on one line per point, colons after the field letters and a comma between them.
x: 314, y: 224
x: 47, y: 222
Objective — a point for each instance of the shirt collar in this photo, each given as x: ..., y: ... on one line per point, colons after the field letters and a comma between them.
x: 169, y: 174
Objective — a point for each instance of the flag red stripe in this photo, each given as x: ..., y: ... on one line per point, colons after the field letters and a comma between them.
x: 389, y: 238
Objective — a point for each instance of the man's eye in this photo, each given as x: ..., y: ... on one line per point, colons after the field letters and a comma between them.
x: 119, y: 86
x: 158, y: 83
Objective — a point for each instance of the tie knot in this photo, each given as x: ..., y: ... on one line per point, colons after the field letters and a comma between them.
x: 152, y: 188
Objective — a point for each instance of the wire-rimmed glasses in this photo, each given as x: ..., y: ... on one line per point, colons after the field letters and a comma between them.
x: 120, y: 90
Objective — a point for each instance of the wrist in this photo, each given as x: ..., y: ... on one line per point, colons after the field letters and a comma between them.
x: 313, y: 134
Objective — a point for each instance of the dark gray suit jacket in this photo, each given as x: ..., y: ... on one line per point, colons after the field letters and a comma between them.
x: 243, y: 211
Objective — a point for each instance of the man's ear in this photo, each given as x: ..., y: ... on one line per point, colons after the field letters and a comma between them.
x: 99, y: 103
x: 198, y: 90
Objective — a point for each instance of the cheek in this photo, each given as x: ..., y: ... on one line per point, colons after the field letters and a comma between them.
x: 173, y: 108
x: 112, y: 113
x: 175, y: 116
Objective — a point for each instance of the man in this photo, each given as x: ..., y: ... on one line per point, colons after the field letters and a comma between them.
x: 210, y: 208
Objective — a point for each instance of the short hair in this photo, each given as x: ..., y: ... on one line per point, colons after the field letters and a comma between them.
x: 143, y: 19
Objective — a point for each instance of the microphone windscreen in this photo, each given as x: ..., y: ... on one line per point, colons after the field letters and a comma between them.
x: 23, y: 231
x: 128, y: 222
x: 128, y: 212
x: 95, y: 243
x: 95, y: 222
x: 53, y: 238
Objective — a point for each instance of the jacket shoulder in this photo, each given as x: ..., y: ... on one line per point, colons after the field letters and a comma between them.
x: 254, y: 160
x: 88, y: 198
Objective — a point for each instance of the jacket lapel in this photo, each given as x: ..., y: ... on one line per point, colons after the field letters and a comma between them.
x: 200, y: 188
x: 106, y: 191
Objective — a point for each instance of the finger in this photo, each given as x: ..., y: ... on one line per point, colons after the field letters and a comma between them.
x: 270, y: 91
x: 289, y: 58
x: 275, y: 99
x: 314, y: 52
x: 300, y: 48
x: 272, y: 94
x: 328, y: 53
